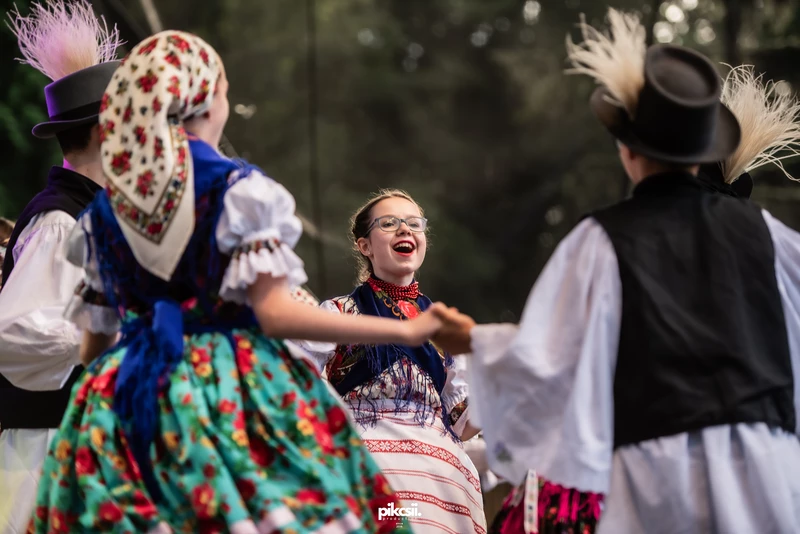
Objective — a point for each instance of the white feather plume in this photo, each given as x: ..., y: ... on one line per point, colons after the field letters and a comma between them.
x: 614, y: 59
x: 768, y: 119
x: 59, y: 38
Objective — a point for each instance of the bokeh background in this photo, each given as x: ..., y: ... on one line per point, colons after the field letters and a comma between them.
x: 463, y: 103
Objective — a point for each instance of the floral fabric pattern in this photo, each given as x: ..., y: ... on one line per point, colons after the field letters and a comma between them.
x: 246, y: 433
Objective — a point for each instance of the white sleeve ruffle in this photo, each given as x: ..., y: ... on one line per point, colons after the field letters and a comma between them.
x: 88, y: 308
x: 258, y: 228
x: 456, y: 393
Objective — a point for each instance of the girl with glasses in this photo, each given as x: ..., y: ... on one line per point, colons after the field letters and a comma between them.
x: 410, y: 403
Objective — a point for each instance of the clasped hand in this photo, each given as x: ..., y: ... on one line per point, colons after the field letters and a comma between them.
x: 446, y: 327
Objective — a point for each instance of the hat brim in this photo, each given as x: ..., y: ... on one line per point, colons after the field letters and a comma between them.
x: 47, y: 130
x: 726, y: 137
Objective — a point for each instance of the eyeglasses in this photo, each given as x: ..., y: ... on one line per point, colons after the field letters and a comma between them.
x: 390, y: 223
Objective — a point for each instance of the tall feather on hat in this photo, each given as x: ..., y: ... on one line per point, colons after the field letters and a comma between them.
x: 769, y: 121
x: 60, y: 38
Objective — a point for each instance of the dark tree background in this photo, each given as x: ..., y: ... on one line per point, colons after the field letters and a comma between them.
x: 463, y: 103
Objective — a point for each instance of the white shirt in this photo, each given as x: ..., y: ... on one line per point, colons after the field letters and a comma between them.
x: 543, y: 393
x: 38, y: 346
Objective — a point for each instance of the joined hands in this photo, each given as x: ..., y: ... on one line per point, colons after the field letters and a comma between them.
x: 446, y: 327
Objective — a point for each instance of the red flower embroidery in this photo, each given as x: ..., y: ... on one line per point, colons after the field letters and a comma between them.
x: 121, y: 162
x: 149, y: 47
x: 204, y: 55
x: 141, y: 136
x: 104, y: 102
x: 156, y: 105
x: 204, y: 501
x: 246, y: 487
x: 154, y: 228
x: 147, y: 82
x: 408, y: 309
x: 84, y: 462
x: 172, y: 59
x: 337, y: 419
x: 226, y: 406
x: 109, y: 512
x: 180, y: 43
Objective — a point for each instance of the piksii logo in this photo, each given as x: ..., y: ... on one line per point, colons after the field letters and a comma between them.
x: 392, y: 512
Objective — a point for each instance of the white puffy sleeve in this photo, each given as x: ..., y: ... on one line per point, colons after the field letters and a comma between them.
x: 88, y: 308
x: 786, y: 243
x: 543, y: 391
x: 258, y: 228
x: 455, y: 395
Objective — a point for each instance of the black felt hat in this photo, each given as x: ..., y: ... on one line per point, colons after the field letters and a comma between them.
x: 74, y: 100
x: 679, y: 117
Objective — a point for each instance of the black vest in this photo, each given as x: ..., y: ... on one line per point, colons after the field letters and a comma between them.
x: 69, y: 192
x: 703, y: 336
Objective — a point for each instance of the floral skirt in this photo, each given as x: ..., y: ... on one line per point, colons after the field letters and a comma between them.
x: 558, y: 510
x: 249, y: 440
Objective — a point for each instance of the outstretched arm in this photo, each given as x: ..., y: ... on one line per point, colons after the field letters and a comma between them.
x: 281, y: 316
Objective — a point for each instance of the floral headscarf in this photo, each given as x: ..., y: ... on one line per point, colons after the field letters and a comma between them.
x: 164, y: 81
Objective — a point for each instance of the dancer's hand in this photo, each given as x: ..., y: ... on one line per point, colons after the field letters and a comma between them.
x: 455, y: 334
x: 424, y: 326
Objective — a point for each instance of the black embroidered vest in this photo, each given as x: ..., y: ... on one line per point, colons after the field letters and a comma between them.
x: 703, y: 337
x: 70, y: 192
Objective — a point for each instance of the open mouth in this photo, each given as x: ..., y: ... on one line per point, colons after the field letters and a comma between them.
x: 404, y: 247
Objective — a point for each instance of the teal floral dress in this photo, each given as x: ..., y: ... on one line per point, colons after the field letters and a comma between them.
x: 248, y: 438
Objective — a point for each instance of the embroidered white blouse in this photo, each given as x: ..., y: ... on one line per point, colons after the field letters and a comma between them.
x: 543, y: 393
x: 256, y: 210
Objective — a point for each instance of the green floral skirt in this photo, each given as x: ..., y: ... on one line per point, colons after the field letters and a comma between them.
x: 249, y: 440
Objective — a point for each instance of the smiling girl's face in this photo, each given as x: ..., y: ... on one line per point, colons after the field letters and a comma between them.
x: 397, y: 254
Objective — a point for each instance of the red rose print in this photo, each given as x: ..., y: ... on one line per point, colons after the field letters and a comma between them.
x: 324, y: 439
x: 83, y: 392
x: 408, y: 309
x: 143, y: 506
x: 107, y: 128
x: 147, y: 82
x: 288, y: 399
x: 172, y: 59
x: 109, y: 512
x: 169, y: 205
x: 121, y: 162
x: 174, y: 87
x: 158, y: 148
x: 144, y: 184
x: 226, y: 406
x: 156, y: 105
x: 141, y: 137
x: 202, y: 93
x: 309, y: 496
x: 58, y: 521
x: 204, y: 55
x: 178, y: 42
x: 209, y: 471
x: 149, y: 47
x: 126, y: 116
x: 245, y: 360
x: 260, y: 453
x: 204, y: 501
x: 104, y: 102
x: 84, y: 462
x: 246, y: 487
x: 187, y: 399
x: 104, y: 384
x: 337, y: 419
x: 154, y: 228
